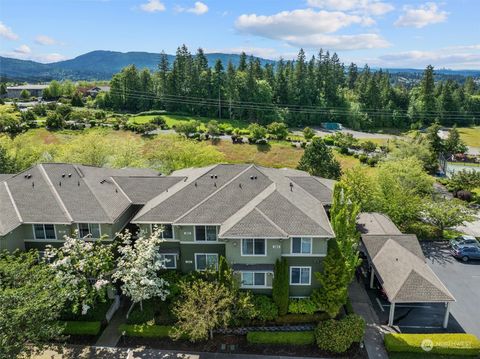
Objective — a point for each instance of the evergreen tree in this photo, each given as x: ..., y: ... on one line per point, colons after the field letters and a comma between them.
x: 318, y: 160
x: 332, y: 294
x: 280, y: 287
x: 428, y: 95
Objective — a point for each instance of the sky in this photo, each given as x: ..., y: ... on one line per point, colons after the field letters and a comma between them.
x: 382, y: 33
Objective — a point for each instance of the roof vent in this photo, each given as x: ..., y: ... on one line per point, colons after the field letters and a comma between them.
x: 240, y: 185
x: 214, y: 184
x: 33, y: 184
x: 185, y: 179
x: 251, y: 177
x: 78, y: 183
x: 255, y: 177
x: 211, y: 176
x: 103, y: 181
x: 60, y: 183
x: 195, y: 184
x: 29, y: 175
x: 291, y: 186
x: 69, y: 175
x: 116, y: 190
x: 63, y: 175
x: 26, y: 175
x: 215, y: 176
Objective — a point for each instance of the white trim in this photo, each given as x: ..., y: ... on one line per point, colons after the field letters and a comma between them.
x: 304, y: 255
x: 44, y: 232
x: 121, y: 190
x: 301, y: 240
x: 254, y: 286
x: 89, y: 235
x: 174, y: 259
x: 205, y: 254
x: 163, y: 224
x: 253, y: 255
x: 300, y: 277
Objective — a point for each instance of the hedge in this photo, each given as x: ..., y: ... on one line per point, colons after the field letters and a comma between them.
x: 301, y: 318
x: 145, y: 331
x: 337, y: 336
x: 446, y: 344
x: 287, y: 338
x: 82, y: 328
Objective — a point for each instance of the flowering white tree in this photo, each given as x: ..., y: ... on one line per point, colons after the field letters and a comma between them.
x: 138, y: 267
x: 83, y: 268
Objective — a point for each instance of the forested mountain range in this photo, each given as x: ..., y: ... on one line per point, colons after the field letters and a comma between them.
x: 102, y: 65
x: 307, y: 91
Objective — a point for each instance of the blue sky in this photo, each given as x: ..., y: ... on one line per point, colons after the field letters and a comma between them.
x: 387, y: 33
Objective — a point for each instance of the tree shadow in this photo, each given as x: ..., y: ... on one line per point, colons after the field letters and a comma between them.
x: 437, y: 252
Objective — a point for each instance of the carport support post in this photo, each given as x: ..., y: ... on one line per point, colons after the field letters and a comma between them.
x: 447, y: 315
x: 372, y: 276
x: 392, y: 313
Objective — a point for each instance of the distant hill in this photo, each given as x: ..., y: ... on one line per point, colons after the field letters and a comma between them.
x: 95, y: 65
x: 101, y: 65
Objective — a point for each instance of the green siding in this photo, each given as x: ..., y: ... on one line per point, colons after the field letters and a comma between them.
x: 233, y: 251
x: 319, y: 246
x: 13, y: 240
x: 184, y: 233
x: 315, y: 263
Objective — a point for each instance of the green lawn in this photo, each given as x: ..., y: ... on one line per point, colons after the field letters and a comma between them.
x: 171, y: 120
x: 470, y: 135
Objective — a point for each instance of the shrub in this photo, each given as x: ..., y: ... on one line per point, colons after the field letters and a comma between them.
x: 82, y: 328
x: 328, y: 141
x: 286, y: 338
x: 302, y: 306
x: 344, y: 150
x: 308, y: 133
x: 265, y: 308
x: 94, y: 314
x: 372, y: 161
x: 257, y: 132
x: 423, y: 231
x: 446, y: 344
x: 138, y: 316
x: 301, y: 318
x: 278, y: 130
x: 338, y: 335
x: 363, y: 158
x: 145, y: 331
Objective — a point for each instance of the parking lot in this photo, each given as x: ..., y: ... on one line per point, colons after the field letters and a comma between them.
x: 463, y: 281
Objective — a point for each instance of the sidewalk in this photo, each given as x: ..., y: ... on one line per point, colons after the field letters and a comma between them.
x: 373, y: 333
x: 80, y: 352
x: 111, y: 334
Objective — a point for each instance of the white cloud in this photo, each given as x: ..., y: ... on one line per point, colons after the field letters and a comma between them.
x: 7, y: 32
x: 45, y: 40
x: 24, y: 53
x: 421, y: 16
x: 466, y: 57
x: 339, y: 42
x: 23, y: 49
x: 311, y: 29
x: 153, y: 6
x: 199, y: 8
x: 372, y: 7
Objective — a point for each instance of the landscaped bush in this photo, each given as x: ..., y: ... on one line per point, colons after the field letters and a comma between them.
x: 338, y: 335
x: 145, y: 331
x: 446, y: 344
x: 423, y: 231
x: 301, y: 318
x: 138, y: 316
x: 302, y: 306
x: 82, y: 328
x: 328, y: 141
x: 94, y: 314
x: 286, y: 338
x: 265, y: 308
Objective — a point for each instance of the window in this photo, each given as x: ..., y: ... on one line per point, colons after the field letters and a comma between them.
x: 300, y: 275
x: 44, y: 231
x: 301, y: 245
x: 254, y: 279
x: 89, y: 230
x: 206, y: 260
x: 206, y: 233
x: 254, y: 247
x: 170, y: 260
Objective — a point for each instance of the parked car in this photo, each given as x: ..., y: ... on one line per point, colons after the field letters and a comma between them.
x: 467, y: 252
x: 464, y: 240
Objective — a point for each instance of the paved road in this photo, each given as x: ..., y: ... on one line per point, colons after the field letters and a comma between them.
x: 463, y: 281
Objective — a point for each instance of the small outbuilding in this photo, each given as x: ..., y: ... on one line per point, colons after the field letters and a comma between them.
x: 398, y: 262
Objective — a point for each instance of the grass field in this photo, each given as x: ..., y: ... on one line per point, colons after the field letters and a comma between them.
x: 470, y: 135
x: 171, y: 120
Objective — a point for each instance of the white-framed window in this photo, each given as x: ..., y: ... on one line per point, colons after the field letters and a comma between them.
x: 89, y: 230
x: 300, y: 275
x: 170, y: 260
x: 301, y: 245
x: 205, y: 261
x: 254, y: 279
x: 205, y: 233
x: 167, y: 232
x: 254, y: 247
x: 44, y: 231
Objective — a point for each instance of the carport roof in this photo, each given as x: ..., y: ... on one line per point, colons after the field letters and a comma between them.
x: 403, y: 272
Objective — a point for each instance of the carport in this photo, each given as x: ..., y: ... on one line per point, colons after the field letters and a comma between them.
x: 397, y: 261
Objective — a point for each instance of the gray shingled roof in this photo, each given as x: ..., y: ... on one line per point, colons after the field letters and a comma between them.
x: 62, y: 193
x: 140, y: 190
x: 376, y: 223
x: 406, y: 278
x: 316, y: 188
x: 229, y: 200
x: 373, y: 243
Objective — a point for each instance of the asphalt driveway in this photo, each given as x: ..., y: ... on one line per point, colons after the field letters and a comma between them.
x: 463, y: 281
